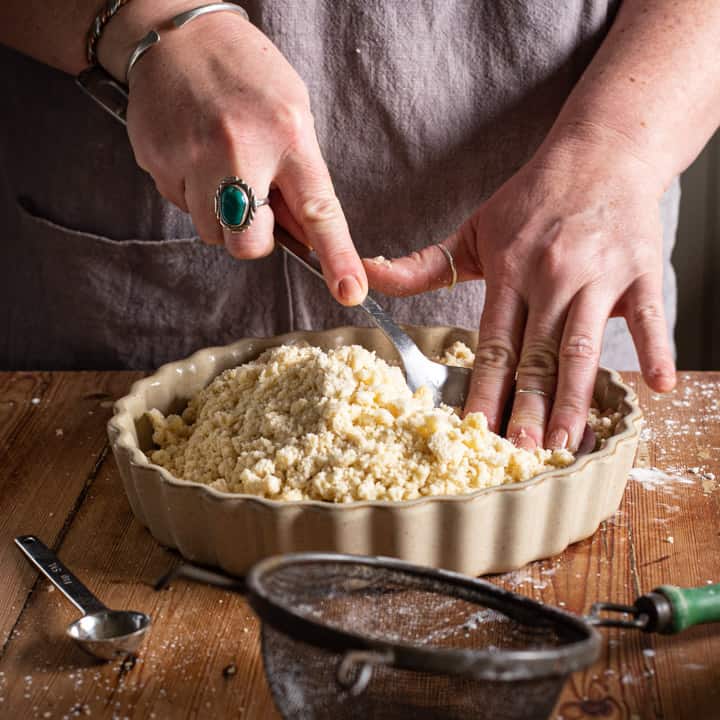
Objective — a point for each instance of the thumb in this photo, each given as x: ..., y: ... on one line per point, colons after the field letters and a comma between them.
x: 434, y: 267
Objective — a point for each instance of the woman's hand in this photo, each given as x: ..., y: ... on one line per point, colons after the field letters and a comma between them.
x: 216, y: 98
x: 563, y: 245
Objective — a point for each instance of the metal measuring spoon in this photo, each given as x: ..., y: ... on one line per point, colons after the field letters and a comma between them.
x: 102, y: 632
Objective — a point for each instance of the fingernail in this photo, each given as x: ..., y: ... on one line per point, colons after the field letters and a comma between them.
x: 350, y: 290
x: 558, y: 439
x: 661, y: 379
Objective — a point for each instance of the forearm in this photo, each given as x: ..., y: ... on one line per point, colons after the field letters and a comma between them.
x: 55, y: 33
x: 652, y: 90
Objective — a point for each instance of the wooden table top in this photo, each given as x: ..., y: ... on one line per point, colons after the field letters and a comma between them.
x: 59, y: 481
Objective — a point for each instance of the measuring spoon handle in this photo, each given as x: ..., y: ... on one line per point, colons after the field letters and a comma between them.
x: 50, y: 566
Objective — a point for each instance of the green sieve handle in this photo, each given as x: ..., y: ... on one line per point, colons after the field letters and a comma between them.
x: 690, y: 606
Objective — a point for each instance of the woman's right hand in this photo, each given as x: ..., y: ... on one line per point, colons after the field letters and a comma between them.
x: 216, y: 98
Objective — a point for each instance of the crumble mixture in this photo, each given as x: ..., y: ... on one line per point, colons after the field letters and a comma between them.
x: 301, y: 423
x: 381, y: 260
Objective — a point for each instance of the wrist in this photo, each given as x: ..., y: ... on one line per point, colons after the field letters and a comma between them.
x: 128, y: 27
x: 582, y: 148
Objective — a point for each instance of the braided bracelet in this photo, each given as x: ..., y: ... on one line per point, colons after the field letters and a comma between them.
x: 98, y: 25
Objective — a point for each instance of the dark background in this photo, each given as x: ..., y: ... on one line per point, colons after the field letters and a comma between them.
x: 697, y: 263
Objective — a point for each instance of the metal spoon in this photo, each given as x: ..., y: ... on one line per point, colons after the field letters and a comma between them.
x: 102, y: 632
x: 448, y: 384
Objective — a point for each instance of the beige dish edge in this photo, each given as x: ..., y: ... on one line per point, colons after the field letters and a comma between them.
x: 488, y: 531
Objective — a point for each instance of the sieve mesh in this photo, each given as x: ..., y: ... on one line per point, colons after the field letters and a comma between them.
x: 457, y: 647
x: 390, y: 605
x: 303, y: 681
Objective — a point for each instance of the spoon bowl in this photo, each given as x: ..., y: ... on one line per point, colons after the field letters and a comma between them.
x: 108, y: 634
x: 448, y: 385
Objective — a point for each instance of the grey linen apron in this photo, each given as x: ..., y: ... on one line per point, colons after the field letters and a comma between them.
x: 423, y: 109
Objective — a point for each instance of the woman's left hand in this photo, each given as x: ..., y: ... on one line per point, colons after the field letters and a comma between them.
x: 571, y: 239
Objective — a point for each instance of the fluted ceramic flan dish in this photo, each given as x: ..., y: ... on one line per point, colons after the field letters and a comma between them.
x: 486, y: 531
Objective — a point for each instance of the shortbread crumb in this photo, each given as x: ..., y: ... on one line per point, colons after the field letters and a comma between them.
x: 302, y: 423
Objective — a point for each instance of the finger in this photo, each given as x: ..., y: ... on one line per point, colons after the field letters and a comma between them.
x: 579, y: 356
x: 284, y: 218
x: 536, y: 373
x: 256, y: 240
x: 496, y: 355
x: 172, y: 190
x: 199, y: 201
x: 307, y: 189
x: 427, y: 269
x: 645, y: 315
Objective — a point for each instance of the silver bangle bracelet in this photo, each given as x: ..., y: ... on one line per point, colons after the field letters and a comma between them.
x: 153, y: 37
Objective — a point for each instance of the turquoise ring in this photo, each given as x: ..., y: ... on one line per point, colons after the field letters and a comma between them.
x: 235, y: 204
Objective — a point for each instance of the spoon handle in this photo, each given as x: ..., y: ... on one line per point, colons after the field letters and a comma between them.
x: 398, y: 337
x: 302, y: 253
x: 50, y: 566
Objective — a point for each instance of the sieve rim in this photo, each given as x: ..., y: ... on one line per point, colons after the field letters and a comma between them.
x: 497, y: 664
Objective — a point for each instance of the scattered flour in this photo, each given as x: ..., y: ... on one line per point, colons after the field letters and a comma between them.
x: 651, y: 478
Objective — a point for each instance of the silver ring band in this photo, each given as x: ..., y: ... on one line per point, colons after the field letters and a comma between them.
x: 533, y: 391
x: 451, y: 262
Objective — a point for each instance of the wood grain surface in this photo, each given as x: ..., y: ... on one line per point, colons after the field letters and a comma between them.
x: 202, y: 659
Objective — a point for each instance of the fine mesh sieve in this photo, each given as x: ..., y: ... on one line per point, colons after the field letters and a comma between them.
x: 352, y: 637
x: 347, y: 636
